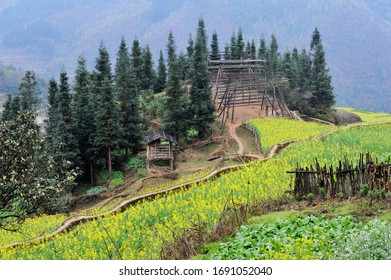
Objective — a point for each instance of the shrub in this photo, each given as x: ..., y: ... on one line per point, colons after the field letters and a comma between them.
x: 96, y: 189
x: 310, y: 197
x: 136, y: 162
x: 373, y: 242
x: 115, y: 182
x: 364, y: 190
x: 191, y: 134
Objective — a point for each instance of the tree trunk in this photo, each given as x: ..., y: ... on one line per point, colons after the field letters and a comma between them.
x: 109, y: 154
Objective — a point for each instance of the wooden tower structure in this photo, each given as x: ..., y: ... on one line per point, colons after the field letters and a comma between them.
x: 160, y: 147
x: 245, y: 83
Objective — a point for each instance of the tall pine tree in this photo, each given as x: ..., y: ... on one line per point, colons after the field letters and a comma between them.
x: 149, y: 75
x: 64, y: 142
x: 322, y: 91
x: 161, y: 79
x: 201, y: 106
x: 175, y: 104
x: 29, y: 92
x: 215, y: 51
x: 262, y: 51
x: 52, y: 112
x: 83, y: 116
x: 136, y: 59
x: 108, y: 131
x: 128, y: 97
x: 171, y: 49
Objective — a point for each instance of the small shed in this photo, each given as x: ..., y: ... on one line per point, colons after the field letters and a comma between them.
x: 160, y: 147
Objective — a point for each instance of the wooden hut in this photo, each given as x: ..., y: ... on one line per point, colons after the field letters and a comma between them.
x: 160, y: 147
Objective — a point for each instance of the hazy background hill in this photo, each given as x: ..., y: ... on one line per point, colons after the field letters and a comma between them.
x: 46, y: 35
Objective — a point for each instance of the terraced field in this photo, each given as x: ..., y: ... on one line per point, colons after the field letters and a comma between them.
x: 142, y: 230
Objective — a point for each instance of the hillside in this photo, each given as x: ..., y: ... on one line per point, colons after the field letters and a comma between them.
x: 204, y: 207
x: 49, y: 34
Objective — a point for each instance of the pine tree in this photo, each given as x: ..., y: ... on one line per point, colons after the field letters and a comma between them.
x: 183, y: 66
x: 287, y: 68
x: 227, y: 52
x: 215, y: 52
x: 52, y: 109
x: 83, y: 116
x: 295, y: 68
x: 253, y: 50
x: 201, y: 33
x: 201, y: 107
x: 103, y: 66
x: 240, y: 45
x: 190, y: 47
x: 176, y: 104
x: 149, y: 75
x: 7, y: 112
x: 247, y: 51
x: 161, y: 79
x: 272, y: 58
x: 29, y: 92
x: 136, y: 59
x: 233, y: 48
x: 128, y: 97
x: 65, y: 99
x: 108, y: 130
x: 65, y: 146
x: 305, y: 65
x: 322, y: 91
x: 171, y: 49
x: 262, y: 51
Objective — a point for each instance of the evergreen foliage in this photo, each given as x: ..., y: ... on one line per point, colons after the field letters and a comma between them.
x: 103, y: 66
x: 262, y: 51
x: 161, y: 79
x: 215, y: 51
x: 83, y: 115
x: 148, y: 72
x: 65, y: 146
x: 7, y: 109
x: 240, y: 54
x: 171, y: 49
x: 52, y: 111
x: 29, y: 92
x: 136, y: 59
x: 175, y: 104
x: 322, y: 91
x: 108, y: 130
x: 201, y: 106
x: 128, y: 97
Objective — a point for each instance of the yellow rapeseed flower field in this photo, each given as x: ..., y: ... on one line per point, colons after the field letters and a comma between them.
x: 141, y: 231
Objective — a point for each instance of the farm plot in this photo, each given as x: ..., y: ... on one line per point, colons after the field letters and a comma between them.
x: 275, y: 130
x: 142, y: 230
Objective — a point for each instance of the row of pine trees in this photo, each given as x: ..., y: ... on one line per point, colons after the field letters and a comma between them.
x: 100, y: 112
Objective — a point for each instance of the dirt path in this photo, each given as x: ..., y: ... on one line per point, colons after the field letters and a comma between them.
x: 232, y: 130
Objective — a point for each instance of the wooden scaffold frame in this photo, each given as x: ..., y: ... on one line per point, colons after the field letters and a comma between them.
x: 245, y: 83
